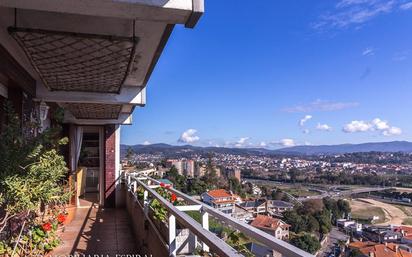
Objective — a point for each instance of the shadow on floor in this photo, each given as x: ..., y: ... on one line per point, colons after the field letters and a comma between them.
x: 97, y: 230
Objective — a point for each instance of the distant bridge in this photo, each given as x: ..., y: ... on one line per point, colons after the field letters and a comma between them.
x: 336, y: 194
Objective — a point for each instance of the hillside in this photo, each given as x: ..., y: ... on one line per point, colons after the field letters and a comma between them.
x: 172, y: 150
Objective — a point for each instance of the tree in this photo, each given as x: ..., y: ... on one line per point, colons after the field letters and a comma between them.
x: 130, y: 153
x: 210, y: 177
x: 333, y: 207
x: 306, y: 242
x: 297, y: 222
x: 234, y: 185
x: 311, y: 207
x: 324, y: 219
x: 312, y: 224
x: 196, y: 186
x: 293, y: 173
x: 178, y: 180
x: 277, y: 194
x: 344, y: 206
x: 266, y: 191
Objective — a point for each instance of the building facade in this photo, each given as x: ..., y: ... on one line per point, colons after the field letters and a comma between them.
x: 221, y: 200
x: 273, y: 226
x: 91, y: 60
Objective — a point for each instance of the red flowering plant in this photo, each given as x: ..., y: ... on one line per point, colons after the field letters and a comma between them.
x: 47, y: 227
x: 61, y: 218
x: 160, y: 212
x: 173, y: 198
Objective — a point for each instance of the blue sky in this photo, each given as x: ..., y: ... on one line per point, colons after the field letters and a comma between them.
x: 282, y: 73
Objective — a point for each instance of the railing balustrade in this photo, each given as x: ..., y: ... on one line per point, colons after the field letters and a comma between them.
x: 210, y: 242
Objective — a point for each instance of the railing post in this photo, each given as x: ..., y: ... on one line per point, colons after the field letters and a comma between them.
x: 134, y: 187
x: 172, y: 236
x: 146, y: 202
x: 129, y: 180
x: 205, y: 225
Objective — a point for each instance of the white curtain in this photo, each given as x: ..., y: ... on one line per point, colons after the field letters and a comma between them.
x: 76, y: 145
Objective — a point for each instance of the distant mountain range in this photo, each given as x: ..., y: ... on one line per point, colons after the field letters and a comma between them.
x: 171, y: 150
x: 395, y: 146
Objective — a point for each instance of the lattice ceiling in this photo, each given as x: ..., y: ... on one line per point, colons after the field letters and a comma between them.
x: 94, y: 111
x: 78, y: 62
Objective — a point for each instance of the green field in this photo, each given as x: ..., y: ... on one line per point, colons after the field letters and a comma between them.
x: 299, y: 191
x: 367, y: 213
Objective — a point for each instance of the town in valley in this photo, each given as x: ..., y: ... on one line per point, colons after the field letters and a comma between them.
x: 339, y: 204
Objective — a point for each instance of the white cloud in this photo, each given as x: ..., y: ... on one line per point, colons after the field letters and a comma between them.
x: 406, y: 6
x: 392, y: 131
x: 353, y: 12
x: 241, y: 142
x: 323, y: 127
x: 380, y: 124
x: 321, y: 105
x: 146, y: 143
x: 189, y: 136
x: 369, y: 51
x: 304, y: 120
x: 357, y: 126
x: 306, y: 131
x: 345, y: 3
x: 287, y: 142
x: 262, y: 144
x: 375, y: 125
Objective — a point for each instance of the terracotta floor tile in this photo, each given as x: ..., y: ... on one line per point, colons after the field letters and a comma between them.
x: 98, y: 231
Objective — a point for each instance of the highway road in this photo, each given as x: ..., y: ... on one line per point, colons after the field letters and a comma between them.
x: 337, y: 194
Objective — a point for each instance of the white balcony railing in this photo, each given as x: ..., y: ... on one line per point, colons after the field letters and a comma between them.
x: 209, y: 241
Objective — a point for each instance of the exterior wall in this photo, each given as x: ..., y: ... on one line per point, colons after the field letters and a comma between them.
x: 18, y: 87
x: 214, y: 202
x: 279, y: 233
x: 109, y: 166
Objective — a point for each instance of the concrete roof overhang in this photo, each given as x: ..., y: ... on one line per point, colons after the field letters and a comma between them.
x: 151, y: 22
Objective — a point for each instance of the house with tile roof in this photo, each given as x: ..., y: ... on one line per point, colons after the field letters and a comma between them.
x: 404, y: 230
x: 257, y: 206
x: 273, y: 226
x: 279, y: 206
x: 379, y: 250
x: 220, y: 199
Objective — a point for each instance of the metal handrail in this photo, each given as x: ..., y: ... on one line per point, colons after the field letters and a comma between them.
x: 272, y: 242
x: 216, y: 244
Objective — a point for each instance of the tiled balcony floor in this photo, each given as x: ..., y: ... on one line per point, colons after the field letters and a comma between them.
x: 97, y: 231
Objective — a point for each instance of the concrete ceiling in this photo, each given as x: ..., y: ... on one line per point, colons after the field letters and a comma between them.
x: 66, y: 46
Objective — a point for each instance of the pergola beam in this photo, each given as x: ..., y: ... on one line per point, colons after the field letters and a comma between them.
x: 123, y: 119
x: 128, y: 95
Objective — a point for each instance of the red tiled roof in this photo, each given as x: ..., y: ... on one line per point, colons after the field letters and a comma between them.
x: 219, y: 193
x: 407, y: 230
x: 382, y: 250
x: 361, y: 244
x: 262, y: 221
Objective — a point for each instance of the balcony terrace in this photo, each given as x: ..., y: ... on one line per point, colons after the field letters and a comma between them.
x: 135, y: 229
